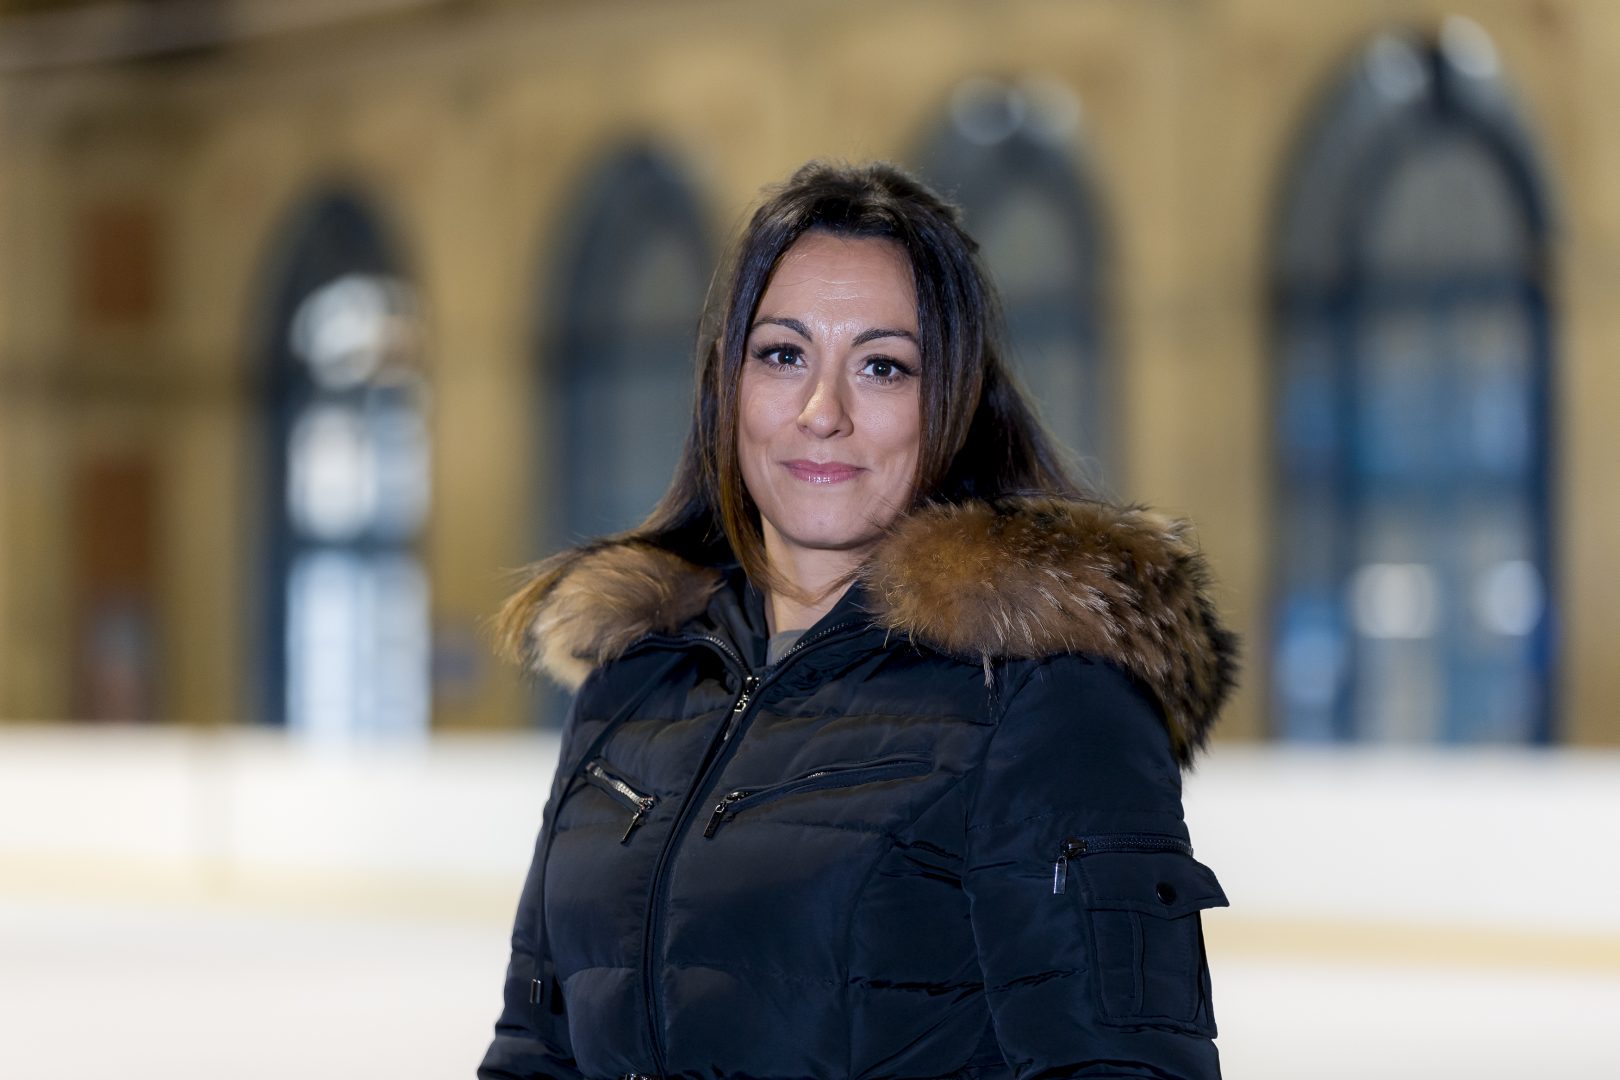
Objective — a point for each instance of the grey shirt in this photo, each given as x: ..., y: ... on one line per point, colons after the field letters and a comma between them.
x: 779, y: 644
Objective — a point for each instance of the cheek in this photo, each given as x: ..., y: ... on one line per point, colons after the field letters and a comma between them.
x: 901, y: 433
x: 752, y: 411
x: 758, y: 425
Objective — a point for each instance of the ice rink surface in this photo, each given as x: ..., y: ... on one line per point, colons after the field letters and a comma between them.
x: 254, y: 910
x: 148, y: 994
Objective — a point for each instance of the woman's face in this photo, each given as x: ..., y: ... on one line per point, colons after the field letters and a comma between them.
x: 829, y: 413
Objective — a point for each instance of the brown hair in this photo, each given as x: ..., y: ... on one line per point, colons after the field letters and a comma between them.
x: 980, y: 440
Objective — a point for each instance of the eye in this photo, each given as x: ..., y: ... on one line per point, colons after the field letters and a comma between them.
x: 885, y: 369
x: 778, y: 356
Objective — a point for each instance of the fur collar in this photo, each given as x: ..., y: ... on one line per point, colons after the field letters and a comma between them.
x: 1020, y: 578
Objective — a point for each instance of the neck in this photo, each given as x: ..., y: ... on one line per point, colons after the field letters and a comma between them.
x: 785, y: 613
x: 819, y: 577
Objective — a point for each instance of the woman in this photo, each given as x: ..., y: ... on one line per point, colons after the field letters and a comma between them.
x: 873, y: 764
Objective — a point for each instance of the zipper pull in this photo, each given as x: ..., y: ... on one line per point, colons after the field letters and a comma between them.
x: 720, y: 812
x: 1071, y: 849
x: 750, y: 684
x: 744, y: 696
x: 642, y: 808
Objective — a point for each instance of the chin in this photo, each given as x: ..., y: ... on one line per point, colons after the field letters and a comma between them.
x: 831, y: 536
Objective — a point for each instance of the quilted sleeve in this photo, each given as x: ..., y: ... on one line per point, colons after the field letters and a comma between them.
x: 531, y: 1036
x: 1084, y: 893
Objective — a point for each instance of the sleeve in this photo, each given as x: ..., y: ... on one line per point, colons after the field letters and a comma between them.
x: 531, y: 1036
x: 1083, y: 891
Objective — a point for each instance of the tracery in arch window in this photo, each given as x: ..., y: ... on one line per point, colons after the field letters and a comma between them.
x: 1414, y: 597
x: 348, y: 640
x: 1007, y: 154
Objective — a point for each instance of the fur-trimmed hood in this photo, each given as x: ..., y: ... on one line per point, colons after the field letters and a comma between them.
x: 1018, y: 578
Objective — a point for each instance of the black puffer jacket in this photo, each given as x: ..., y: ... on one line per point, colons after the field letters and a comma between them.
x: 941, y: 837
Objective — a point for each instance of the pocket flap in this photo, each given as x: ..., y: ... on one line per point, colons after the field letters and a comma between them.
x: 1167, y: 884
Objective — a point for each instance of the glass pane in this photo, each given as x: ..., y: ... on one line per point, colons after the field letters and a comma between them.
x: 324, y: 618
x: 1502, y: 602
x: 1491, y: 339
x: 357, y: 645
x: 1311, y: 664
x: 1036, y: 261
x: 1402, y: 401
x: 628, y: 421
x: 1310, y: 400
x: 658, y: 285
x: 1401, y: 595
x: 397, y: 695
x: 348, y: 329
x: 1053, y: 366
x: 1028, y: 243
x: 1448, y: 209
x: 397, y: 434
x: 332, y: 473
x: 629, y: 389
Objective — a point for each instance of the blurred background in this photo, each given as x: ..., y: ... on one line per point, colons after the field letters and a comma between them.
x: 319, y: 318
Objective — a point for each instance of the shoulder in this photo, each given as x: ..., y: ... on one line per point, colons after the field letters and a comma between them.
x: 1083, y: 703
x: 1078, y: 730
x: 1121, y: 592
x: 583, y: 608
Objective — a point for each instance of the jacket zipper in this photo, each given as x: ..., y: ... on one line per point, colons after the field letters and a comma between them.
x: 715, y: 758
x: 834, y: 776
x: 1075, y: 847
x: 597, y: 774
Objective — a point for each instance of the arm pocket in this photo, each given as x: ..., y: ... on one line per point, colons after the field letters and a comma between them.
x: 1142, y: 903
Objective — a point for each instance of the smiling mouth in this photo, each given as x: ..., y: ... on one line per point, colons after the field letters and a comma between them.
x: 822, y: 472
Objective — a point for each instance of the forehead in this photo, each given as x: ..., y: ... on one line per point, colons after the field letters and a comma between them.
x: 823, y: 270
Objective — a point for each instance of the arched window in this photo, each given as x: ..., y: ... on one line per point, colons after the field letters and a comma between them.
x: 630, y: 286
x: 1007, y: 155
x: 1413, y: 598
x: 349, y: 482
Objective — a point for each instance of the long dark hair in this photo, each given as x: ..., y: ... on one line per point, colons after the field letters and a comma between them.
x: 980, y: 439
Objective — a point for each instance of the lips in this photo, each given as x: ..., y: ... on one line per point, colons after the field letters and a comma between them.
x: 822, y: 472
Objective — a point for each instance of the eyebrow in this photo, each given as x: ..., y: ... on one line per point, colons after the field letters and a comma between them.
x: 882, y: 332
x: 861, y: 338
x: 782, y: 320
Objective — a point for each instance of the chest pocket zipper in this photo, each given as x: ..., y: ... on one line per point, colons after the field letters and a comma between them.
x: 829, y: 776
x: 640, y: 804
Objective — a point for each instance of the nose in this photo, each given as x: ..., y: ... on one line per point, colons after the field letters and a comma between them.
x: 825, y: 413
